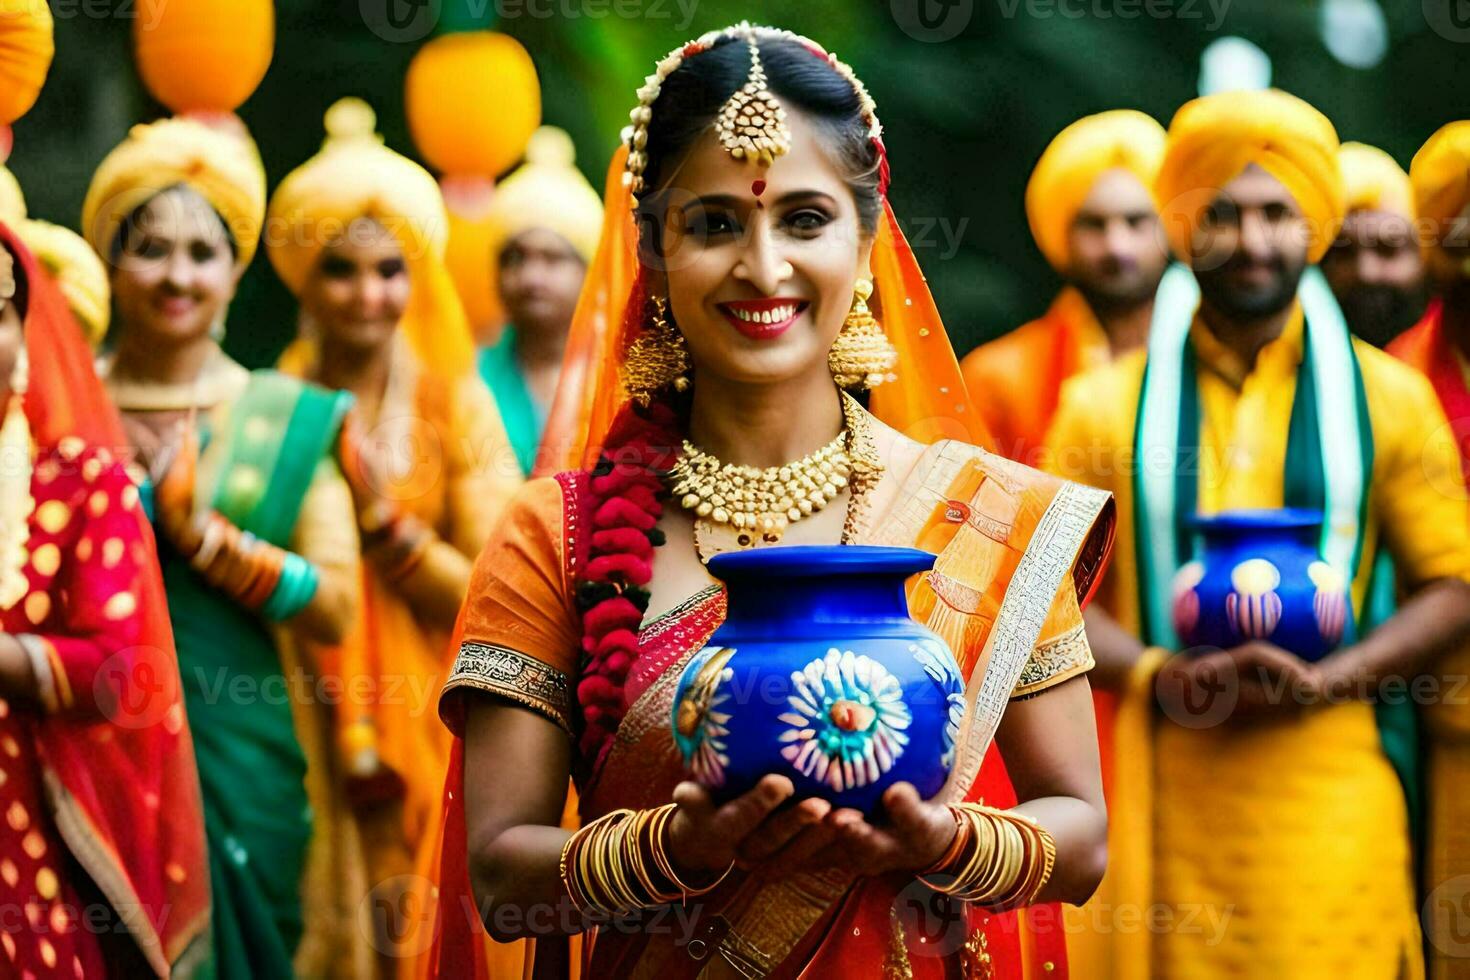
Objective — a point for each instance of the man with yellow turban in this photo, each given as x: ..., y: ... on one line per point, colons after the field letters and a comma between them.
x: 1089, y: 206
x: 547, y: 219
x: 1259, y: 824
x: 1439, y: 346
x: 357, y: 233
x: 1375, y: 267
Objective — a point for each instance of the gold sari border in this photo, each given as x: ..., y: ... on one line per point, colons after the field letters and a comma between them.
x: 1050, y: 553
x: 1054, y: 661
x: 514, y: 676
x: 106, y: 871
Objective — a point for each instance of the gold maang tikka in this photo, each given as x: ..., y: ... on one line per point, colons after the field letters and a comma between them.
x: 752, y: 124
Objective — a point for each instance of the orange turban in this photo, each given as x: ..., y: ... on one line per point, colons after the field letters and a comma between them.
x: 221, y: 167
x: 1075, y: 159
x: 1373, y: 181
x: 1440, y: 173
x: 356, y: 176
x: 1213, y: 139
x: 26, y: 49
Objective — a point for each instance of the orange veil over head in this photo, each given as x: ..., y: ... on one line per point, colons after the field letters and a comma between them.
x: 124, y: 787
x: 926, y: 400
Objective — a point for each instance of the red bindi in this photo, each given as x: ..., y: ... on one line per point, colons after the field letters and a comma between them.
x: 758, y: 188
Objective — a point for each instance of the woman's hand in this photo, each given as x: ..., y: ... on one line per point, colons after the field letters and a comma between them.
x: 752, y: 830
x: 915, y: 835
x: 173, y: 495
x: 363, y: 463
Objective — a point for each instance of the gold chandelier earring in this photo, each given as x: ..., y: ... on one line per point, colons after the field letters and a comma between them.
x: 861, y: 356
x: 658, y: 357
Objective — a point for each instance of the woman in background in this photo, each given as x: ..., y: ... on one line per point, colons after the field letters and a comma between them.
x: 259, y: 542
x: 357, y: 233
x: 97, y: 783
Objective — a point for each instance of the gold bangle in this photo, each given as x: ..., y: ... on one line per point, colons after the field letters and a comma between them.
x: 666, y: 867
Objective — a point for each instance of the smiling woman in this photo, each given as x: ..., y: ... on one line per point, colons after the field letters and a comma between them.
x: 740, y: 251
x: 257, y: 539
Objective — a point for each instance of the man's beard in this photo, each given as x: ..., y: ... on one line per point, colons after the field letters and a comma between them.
x: 1379, y: 313
x: 1118, y: 291
x: 1250, y: 303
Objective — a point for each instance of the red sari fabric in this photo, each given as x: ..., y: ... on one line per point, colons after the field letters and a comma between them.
x: 122, y: 799
x: 1427, y: 347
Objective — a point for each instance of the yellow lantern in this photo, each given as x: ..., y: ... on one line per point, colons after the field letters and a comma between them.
x: 472, y: 101
x: 470, y: 140
x: 26, y: 49
x: 204, y: 56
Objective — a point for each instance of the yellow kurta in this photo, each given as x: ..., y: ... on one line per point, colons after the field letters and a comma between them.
x: 1280, y: 849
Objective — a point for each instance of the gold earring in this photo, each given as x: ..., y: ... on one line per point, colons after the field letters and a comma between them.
x: 657, y: 358
x: 861, y: 356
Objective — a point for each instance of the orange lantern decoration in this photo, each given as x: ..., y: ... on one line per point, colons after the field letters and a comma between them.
x: 471, y: 139
x: 204, y: 57
x: 26, y: 49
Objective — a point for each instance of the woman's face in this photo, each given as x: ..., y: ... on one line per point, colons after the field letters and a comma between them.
x: 760, y: 261
x: 175, y: 273
x: 359, y: 288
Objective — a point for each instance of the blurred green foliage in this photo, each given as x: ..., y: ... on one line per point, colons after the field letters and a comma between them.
x: 966, y: 117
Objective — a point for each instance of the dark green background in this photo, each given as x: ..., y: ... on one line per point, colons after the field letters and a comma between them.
x: 965, y: 118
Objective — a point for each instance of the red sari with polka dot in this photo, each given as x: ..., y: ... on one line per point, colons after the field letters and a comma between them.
x: 102, y: 863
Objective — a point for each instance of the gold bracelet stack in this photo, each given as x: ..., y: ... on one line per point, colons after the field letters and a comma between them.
x: 619, y: 864
x: 999, y: 858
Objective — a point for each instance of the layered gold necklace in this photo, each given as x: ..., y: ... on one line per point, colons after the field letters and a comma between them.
x: 760, y: 504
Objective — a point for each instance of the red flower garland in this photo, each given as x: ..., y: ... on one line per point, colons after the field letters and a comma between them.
x: 624, y: 495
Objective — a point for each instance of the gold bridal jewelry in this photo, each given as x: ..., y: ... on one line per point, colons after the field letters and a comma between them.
x: 752, y: 124
x: 760, y: 504
x: 861, y: 356
x: 657, y: 358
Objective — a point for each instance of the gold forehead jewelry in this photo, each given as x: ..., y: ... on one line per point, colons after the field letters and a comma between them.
x: 752, y: 124
x: 757, y: 117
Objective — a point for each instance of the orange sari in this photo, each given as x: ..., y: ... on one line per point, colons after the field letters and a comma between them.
x: 1016, y: 380
x: 1018, y: 555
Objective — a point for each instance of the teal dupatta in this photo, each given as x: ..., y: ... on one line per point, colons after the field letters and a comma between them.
x: 523, y: 418
x: 256, y: 472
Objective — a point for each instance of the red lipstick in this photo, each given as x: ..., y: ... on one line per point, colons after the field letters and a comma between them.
x: 763, y: 319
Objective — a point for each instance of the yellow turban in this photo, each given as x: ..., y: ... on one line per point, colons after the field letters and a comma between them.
x: 77, y: 270
x: 548, y: 191
x: 12, y: 199
x: 1073, y: 162
x: 356, y: 176
x: 1214, y: 138
x: 1373, y: 181
x: 27, y: 46
x: 223, y: 168
x: 1440, y: 173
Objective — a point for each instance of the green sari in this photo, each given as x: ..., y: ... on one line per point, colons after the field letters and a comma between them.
x: 255, y: 471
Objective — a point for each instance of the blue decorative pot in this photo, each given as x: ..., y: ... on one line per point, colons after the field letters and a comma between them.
x: 819, y: 674
x: 1260, y: 576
